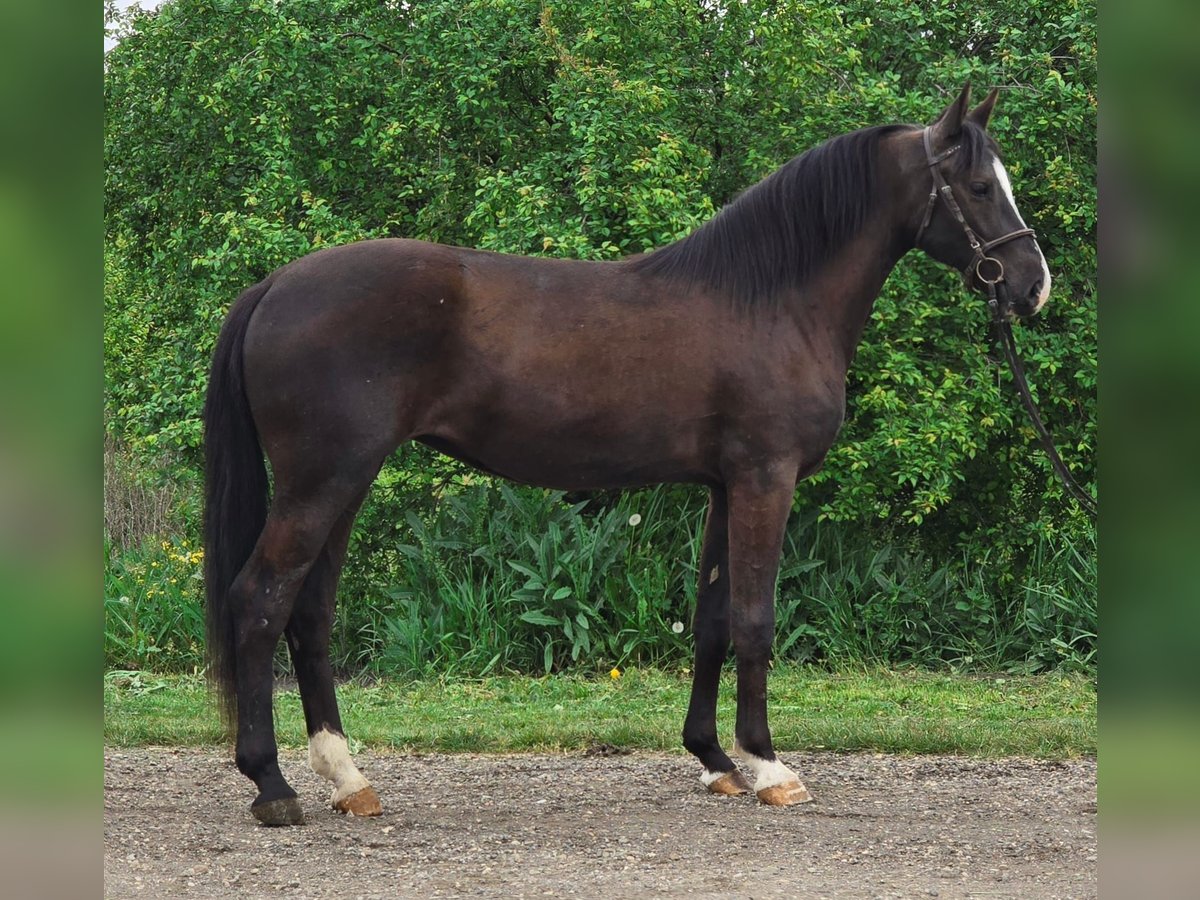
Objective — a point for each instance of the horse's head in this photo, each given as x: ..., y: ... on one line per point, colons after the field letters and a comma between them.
x: 968, y: 217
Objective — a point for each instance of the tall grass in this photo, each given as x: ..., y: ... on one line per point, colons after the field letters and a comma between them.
x: 153, y: 607
x: 499, y: 578
x: 846, y: 598
x: 479, y: 577
x: 137, y: 505
x: 153, y: 611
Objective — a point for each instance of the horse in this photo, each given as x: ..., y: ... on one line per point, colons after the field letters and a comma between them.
x: 718, y: 360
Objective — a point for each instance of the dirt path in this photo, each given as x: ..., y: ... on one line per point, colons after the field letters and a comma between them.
x: 176, y: 824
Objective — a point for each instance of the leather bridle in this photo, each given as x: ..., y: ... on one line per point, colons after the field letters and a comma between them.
x: 980, y: 260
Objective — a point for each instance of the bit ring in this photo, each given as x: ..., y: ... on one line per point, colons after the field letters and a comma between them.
x: 979, y: 270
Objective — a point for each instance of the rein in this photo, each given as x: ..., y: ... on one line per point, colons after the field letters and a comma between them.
x: 979, y: 262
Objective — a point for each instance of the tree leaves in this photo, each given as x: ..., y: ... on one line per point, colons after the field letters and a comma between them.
x: 240, y: 136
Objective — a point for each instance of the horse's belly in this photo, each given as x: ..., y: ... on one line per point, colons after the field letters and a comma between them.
x: 567, y: 457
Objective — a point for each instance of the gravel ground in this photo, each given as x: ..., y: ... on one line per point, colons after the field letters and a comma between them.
x: 177, y: 824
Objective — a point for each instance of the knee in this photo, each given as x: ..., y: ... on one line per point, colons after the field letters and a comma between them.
x: 711, y: 632
x: 754, y: 636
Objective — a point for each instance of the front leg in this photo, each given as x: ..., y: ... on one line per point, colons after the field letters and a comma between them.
x: 759, y: 503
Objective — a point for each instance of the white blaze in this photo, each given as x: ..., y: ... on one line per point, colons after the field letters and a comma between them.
x: 1006, y: 185
x: 329, y: 756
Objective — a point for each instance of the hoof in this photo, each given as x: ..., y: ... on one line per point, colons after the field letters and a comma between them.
x: 285, y: 811
x: 361, y: 803
x: 730, y: 784
x: 787, y: 794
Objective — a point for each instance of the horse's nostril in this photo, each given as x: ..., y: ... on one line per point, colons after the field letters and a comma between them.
x: 1036, y: 290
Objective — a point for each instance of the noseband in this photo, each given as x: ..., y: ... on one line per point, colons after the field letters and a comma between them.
x: 982, y: 264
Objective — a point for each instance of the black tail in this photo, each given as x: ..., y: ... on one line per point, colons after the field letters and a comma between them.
x: 235, y: 493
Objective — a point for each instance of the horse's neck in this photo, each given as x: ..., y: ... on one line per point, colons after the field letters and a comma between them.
x: 836, y: 303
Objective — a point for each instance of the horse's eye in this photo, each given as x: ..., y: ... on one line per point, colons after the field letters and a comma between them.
x: 980, y: 188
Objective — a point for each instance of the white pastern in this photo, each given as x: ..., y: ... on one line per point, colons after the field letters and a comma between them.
x: 767, y: 772
x: 708, y: 777
x: 1006, y: 185
x: 329, y: 757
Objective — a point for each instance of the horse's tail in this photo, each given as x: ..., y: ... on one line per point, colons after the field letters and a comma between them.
x: 235, y: 494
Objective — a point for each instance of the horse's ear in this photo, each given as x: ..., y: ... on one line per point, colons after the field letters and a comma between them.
x: 949, y: 124
x: 983, y: 112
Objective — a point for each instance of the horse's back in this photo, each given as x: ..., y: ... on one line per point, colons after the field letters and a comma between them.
x: 401, y: 277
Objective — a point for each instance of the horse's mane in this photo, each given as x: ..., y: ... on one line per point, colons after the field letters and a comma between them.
x: 778, y: 232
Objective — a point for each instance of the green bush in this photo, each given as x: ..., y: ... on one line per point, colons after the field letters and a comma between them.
x: 505, y: 579
x: 241, y: 135
x: 486, y: 577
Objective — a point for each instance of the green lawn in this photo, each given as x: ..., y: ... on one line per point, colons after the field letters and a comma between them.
x: 1051, y: 716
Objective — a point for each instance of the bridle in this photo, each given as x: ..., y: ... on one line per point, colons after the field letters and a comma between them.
x: 980, y: 260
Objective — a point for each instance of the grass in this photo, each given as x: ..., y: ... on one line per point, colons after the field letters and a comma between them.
x: 1048, y: 716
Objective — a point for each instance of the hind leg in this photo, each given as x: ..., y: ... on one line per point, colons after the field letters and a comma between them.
x: 263, y: 596
x: 711, y: 630
x: 308, y: 640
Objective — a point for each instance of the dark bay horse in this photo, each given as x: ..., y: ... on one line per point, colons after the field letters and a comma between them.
x: 718, y: 360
